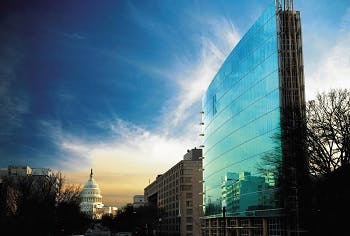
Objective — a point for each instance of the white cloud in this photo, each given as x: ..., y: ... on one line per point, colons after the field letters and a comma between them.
x: 332, y: 68
x: 142, y: 147
x: 134, y: 150
x: 74, y: 151
x: 193, y: 78
x: 74, y: 147
x: 123, y: 165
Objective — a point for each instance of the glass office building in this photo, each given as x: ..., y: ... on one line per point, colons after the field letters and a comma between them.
x: 243, y: 110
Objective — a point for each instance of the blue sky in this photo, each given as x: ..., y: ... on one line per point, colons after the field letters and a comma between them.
x: 116, y: 85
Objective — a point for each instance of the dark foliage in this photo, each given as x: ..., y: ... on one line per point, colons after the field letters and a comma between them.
x: 40, y: 205
x: 140, y: 221
x: 331, y: 203
x: 69, y: 219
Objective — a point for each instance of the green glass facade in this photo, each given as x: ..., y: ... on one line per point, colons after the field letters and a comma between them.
x: 242, y: 145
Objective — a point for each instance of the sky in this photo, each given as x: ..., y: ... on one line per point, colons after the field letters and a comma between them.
x: 116, y: 85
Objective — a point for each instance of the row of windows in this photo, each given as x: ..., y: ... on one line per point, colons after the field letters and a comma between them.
x: 172, y: 197
x: 91, y: 199
x: 93, y: 192
x: 243, y: 226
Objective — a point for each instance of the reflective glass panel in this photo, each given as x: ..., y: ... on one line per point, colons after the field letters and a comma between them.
x: 242, y: 146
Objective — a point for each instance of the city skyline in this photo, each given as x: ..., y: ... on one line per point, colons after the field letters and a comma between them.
x: 117, y: 87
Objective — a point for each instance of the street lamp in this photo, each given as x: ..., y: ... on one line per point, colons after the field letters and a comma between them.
x: 224, y: 219
x: 160, y: 226
x: 347, y: 138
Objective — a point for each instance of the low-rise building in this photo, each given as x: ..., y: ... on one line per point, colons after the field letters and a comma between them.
x: 110, y: 210
x: 12, y: 171
x: 178, y: 195
x: 139, y: 200
x: 15, y: 171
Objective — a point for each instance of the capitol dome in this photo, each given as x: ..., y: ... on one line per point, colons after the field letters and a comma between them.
x: 91, y: 198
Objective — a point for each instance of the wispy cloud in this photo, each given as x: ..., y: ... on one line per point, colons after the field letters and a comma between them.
x: 132, y: 155
x: 73, y: 150
x: 125, y: 164
x: 193, y: 76
x: 331, y: 69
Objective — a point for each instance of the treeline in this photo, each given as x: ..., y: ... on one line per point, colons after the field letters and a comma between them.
x: 142, y: 220
x: 40, y: 205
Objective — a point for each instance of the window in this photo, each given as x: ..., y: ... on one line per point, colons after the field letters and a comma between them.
x: 187, y: 179
x: 189, y: 211
x: 186, y: 187
x: 214, y: 105
x: 189, y: 227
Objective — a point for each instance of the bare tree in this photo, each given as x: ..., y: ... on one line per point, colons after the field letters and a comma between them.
x: 328, y: 131
x: 40, y: 205
x: 67, y: 192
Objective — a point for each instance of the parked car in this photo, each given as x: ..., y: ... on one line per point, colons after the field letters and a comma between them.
x: 124, y: 234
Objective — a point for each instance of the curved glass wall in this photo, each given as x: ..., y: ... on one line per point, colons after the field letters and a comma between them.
x: 242, y: 146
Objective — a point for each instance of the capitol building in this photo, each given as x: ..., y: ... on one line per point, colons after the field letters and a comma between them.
x: 91, y: 199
